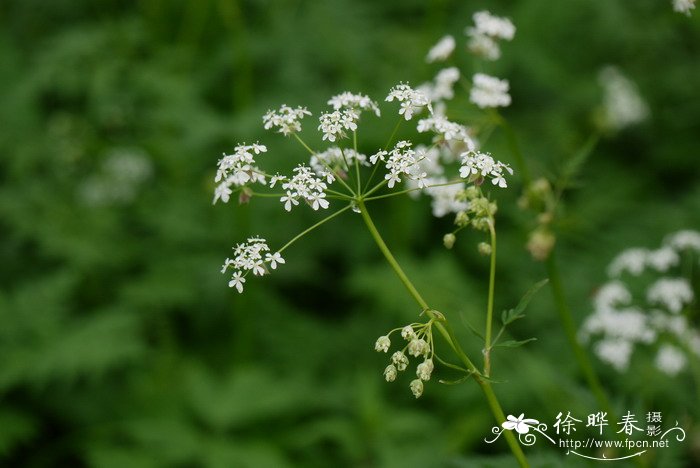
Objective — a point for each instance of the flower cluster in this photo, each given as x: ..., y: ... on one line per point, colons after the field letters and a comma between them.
x: 334, y: 124
x: 237, y: 169
x: 483, y: 165
x: 486, y: 32
x: 304, y: 185
x: 411, y: 100
x: 655, y: 318
x: 253, y: 255
x: 335, y: 161
x: 683, y: 6
x: 349, y: 100
x: 442, y: 86
x: 286, y: 119
x: 442, y: 50
x: 419, y: 344
x: 445, y: 130
x: 622, y: 104
x: 488, y: 91
x: 401, y: 161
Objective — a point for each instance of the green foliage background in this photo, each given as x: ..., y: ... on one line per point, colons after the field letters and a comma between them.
x: 120, y: 344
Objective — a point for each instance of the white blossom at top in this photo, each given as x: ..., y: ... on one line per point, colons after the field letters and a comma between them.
x: 286, y: 119
x: 486, y: 32
x: 304, y: 185
x: 348, y: 100
x: 670, y: 360
x: 442, y: 50
x: 334, y: 124
x: 484, y: 165
x: 683, y: 6
x: 672, y: 293
x: 683, y: 240
x: 411, y: 100
x: 493, y: 26
x: 237, y: 169
x: 631, y: 260
x: 489, y: 91
x: 251, y: 256
x: 622, y: 104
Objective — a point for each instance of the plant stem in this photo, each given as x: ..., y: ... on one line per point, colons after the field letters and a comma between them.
x: 569, y: 325
x: 489, y: 306
x: 306, y: 231
x: 447, y: 333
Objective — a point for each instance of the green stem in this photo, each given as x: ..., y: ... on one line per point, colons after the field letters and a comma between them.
x: 308, y: 230
x: 447, y: 333
x: 401, y: 192
x: 514, y: 147
x: 570, y: 331
x: 489, y: 306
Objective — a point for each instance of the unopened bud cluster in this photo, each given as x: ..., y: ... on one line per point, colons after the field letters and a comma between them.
x: 418, y: 339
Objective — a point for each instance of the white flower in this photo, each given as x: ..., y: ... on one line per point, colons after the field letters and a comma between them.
x: 670, y: 360
x: 390, y: 373
x: 349, y: 100
x: 251, y: 255
x: 382, y: 344
x: 442, y: 86
x: 411, y: 100
x: 274, y: 259
x: 487, y: 30
x: 484, y: 46
x: 237, y: 281
x: 417, y: 347
x: 442, y: 50
x: 401, y: 162
x: 416, y: 387
x: 425, y: 369
x: 683, y: 6
x: 488, y: 91
x: 407, y: 333
x: 622, y: 104
x: 611, y: 294
x: 445, y: 130
x: 334, y: 124
x: 671, y: 292
x: 483, y: 164
x: 237, y: 169
x: 492, y: 26
x: 663, y: 258
x: 684, y: 240
x: 615, y: 352
x: 276, y: 178
x: 306, y: 185
x: 400, y: 360
x: 631, y: 260
x: 286, y: 119
x: 332, y: 159
x: 520, y: 424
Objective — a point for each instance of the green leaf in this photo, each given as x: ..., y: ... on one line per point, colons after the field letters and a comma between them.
x: 472, y: 329
x: 510, y: 316
x: 513, y: 343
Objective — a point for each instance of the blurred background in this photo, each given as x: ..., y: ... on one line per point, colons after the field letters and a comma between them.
x: 121, y: 344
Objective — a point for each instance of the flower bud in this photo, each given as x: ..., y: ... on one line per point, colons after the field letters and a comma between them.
x: 484, y: 248
x: 417, y: 387
x: 540, y: 244
x: 390, y: 373
x: 425, y: 369
x: 449, y: 240
x: 382, y: 344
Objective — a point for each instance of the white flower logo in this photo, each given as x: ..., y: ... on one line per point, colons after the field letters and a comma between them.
x: 521, y: 425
